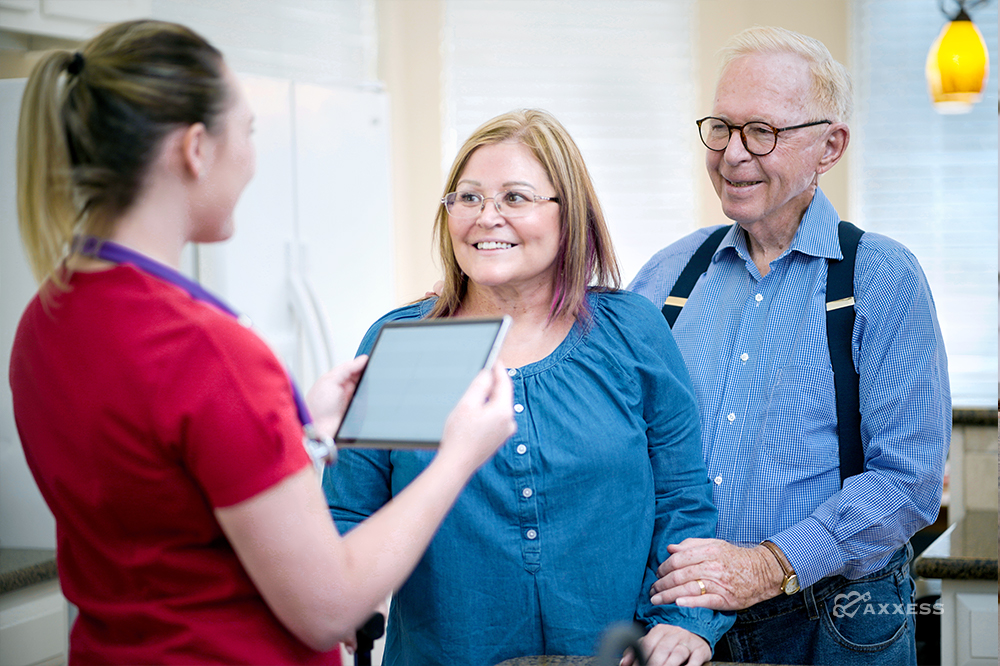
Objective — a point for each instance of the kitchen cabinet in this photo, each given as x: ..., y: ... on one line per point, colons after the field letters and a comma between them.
x: 68, y: 19
x: 34, y: 615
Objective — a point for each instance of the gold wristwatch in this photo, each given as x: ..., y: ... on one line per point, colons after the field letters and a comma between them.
x: 790, y: 585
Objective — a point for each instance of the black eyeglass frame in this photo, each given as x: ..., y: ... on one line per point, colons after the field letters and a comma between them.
x: 743, y: 137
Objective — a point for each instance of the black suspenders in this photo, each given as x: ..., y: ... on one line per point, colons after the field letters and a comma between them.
x: 839, y: 329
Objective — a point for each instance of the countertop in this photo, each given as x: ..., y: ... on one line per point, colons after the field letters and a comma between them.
x: 583, y: 661
x: 21, y: 567
x: 974, y: 416
x: 967, y: 550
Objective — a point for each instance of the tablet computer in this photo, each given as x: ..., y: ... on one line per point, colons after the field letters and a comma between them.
x: 416, y: 373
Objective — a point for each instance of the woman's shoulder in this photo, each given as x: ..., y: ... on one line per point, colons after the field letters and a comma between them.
x: 626, y: 306
x: 409, y: 312
x: 629, y: 320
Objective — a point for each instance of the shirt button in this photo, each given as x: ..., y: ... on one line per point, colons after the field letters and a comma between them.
x: 527, y: 492
x: 518, y: 408
x: 731, y: 417
x: 522, y: 449
x: 531, y: 534
x: 718, y: 480
x: 511, y: 372
x: 758, y: 298
x: 744, y: 356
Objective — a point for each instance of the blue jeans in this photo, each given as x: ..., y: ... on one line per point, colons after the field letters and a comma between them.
x: 838, y: 622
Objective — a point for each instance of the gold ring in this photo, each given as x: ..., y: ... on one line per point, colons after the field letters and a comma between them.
x: 701, y: 585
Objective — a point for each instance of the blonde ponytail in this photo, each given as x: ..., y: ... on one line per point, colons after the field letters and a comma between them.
x: 46, y: 214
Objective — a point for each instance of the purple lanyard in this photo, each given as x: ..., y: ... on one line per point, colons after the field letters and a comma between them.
x: 118, y: 254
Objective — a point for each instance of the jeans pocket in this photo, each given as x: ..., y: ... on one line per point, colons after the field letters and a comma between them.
x: 870, y: 615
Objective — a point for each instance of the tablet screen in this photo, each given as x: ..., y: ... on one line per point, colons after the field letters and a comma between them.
x: 417, y: 371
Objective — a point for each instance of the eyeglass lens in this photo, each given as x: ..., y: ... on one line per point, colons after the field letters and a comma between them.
x: 758, y: 138
x: 511, y: 203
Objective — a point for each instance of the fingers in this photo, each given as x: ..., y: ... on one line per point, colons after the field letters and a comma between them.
x: 672, y: 592
x: 328, y: 398
x: 482, y: 420
x: 502, y: 389
x: 687, y: 553
x: 666, y: 645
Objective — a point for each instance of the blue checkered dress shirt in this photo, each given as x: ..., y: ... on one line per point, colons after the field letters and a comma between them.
x: 757, y: 352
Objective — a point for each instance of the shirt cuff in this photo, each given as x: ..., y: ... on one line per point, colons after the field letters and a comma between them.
x: 811, y: 550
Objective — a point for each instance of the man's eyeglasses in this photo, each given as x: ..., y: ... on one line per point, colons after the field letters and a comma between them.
x: 758, y: 138
x: 510, y: 204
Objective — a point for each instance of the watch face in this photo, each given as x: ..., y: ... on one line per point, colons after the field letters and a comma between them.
x: 791, y: 585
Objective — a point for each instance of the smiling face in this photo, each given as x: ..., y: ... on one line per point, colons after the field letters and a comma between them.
x: 773, y: 190
x: 512, y: 256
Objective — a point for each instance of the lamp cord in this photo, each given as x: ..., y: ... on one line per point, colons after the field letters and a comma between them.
x: 963, y: 7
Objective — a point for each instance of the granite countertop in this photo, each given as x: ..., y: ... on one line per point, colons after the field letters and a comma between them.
x: 965, y: 551
x: 973, y: 416
x: 553, y: 660
x: 21, y: 567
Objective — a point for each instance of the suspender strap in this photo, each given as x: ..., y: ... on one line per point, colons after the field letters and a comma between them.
x: 839, y: 330
x: 697, y: 264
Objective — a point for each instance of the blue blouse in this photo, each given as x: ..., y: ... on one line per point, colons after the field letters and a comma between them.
x: 559, y: 535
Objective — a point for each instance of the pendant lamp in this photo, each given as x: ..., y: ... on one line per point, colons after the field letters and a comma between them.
x: 957, y: 64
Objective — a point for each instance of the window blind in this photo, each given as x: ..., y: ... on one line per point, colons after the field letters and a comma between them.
x: 930, y: 180
x: 619, y: 77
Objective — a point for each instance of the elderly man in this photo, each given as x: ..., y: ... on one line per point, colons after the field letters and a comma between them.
x: 812, y: 551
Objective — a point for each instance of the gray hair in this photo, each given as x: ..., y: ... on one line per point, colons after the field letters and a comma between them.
x: 832, y: 95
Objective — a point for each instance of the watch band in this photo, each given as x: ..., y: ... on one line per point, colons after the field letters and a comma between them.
x: 790, y: 583
x: 321, y: 449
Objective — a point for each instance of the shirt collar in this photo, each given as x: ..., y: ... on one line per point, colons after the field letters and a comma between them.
x: 816, y: 235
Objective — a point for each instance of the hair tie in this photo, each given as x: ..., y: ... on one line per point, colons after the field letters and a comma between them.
x: 75, y: 65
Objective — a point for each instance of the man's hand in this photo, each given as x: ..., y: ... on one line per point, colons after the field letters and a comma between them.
x: 715, y: 574
x: 666, y: 645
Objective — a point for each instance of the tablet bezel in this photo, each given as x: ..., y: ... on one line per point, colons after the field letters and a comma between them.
x: 503, y: 324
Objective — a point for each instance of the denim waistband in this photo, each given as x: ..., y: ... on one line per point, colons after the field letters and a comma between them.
x: 811, y: 597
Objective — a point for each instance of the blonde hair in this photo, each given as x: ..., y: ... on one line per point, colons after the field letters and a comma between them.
x: 586, y: 255
x: 91, y: 123
x: 832, y: 93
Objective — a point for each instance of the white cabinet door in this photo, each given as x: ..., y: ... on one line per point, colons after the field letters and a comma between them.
x: 34, y: 626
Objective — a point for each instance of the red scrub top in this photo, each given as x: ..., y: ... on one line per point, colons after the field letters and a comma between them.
x: 141, y: 410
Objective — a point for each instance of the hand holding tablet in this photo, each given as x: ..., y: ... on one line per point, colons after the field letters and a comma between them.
x: 416, y: 373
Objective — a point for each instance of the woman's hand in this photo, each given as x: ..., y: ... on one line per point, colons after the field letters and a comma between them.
x: 666, y: 645
x: 329, y: 396
x: 481, y: 421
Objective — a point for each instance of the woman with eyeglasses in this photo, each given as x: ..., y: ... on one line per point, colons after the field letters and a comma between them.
x: 165, y: 437
x: 560, y: 534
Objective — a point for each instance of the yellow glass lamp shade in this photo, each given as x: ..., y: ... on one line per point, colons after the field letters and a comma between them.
x: 957, y: 67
